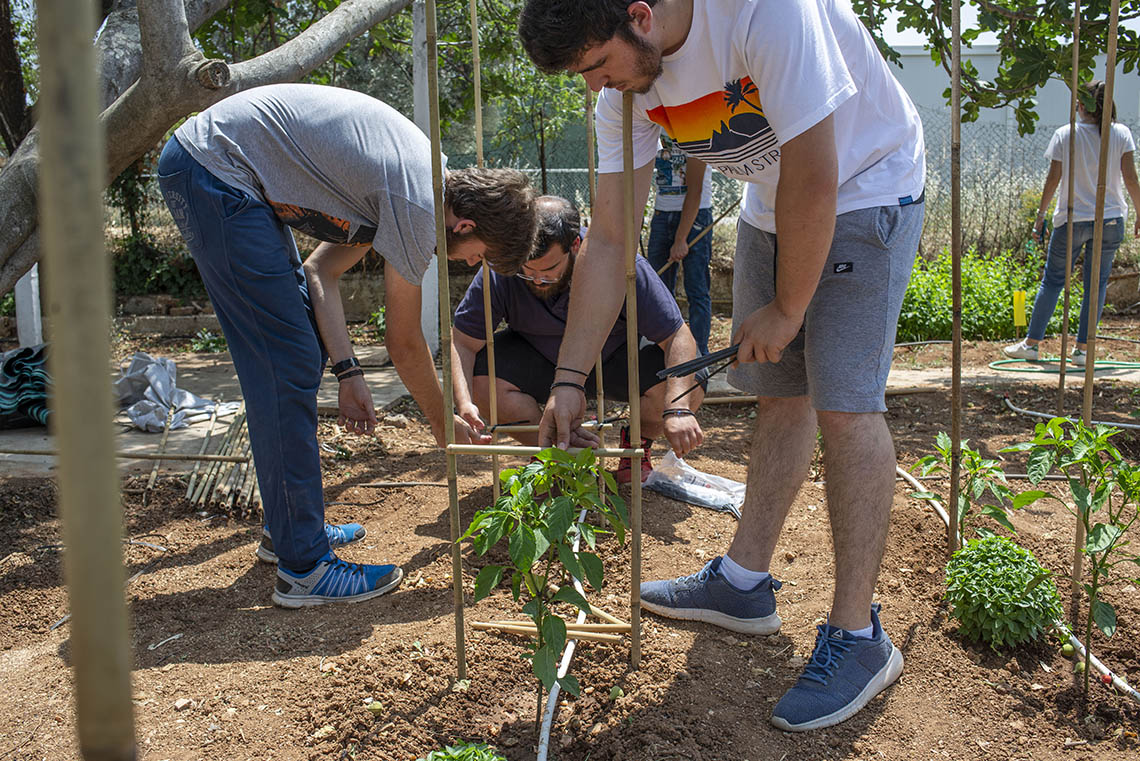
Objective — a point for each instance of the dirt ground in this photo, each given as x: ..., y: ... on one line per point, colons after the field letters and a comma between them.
x: 220, y: 673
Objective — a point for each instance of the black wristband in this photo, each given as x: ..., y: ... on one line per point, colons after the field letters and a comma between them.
x: 349, y: 374
x: 344, y: 364
x: 572, y: 370
x: 568, y: 384
x: 679, y: 411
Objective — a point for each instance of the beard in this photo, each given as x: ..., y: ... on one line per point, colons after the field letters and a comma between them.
x: 647, y: 65
x: 550, y: 292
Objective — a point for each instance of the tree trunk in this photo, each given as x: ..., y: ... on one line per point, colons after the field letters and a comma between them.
x: 15, y: 117
x: 152, y: 77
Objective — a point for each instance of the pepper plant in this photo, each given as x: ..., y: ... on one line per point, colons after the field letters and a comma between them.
x: 1105, y: 491
x: 979, y: 475
x: 539, y: 516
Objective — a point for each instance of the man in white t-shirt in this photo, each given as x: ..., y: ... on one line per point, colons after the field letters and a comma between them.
x: 681, y: 213
x: 793, y: 97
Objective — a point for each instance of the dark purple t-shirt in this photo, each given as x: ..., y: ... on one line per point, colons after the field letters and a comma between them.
x: 543, y: 323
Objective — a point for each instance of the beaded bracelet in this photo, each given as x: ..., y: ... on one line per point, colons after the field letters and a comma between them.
x: 344, y: 364
x: 572, y: 370
x: 680, y: 412
x: 568, y: 384
x: 350, y: 374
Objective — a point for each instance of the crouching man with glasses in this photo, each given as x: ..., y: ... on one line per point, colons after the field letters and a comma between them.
x: 535, y: 304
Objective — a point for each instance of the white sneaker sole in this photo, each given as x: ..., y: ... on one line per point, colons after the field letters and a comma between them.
x: 766, y: 625
x: 881, y: 681
x: 307, y: 601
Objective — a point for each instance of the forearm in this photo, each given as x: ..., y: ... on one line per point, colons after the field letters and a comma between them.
x: 322, y: 273
x: 689, y: 211
x: 462, y: 368
x: 681, y: 347
x: 805, y: 224
x: 1052, y: 181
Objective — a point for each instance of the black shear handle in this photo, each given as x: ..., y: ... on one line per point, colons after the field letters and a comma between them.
x: 693, y: 365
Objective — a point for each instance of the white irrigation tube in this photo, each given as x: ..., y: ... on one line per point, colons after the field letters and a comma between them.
x: 563, y: 667
x: 1078, y: 647
x: 1046, y: 416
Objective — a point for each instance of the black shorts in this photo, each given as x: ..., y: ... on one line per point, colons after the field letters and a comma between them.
x: 519, y: 363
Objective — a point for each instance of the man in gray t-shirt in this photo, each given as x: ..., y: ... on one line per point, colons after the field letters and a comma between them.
x: 356, y: 174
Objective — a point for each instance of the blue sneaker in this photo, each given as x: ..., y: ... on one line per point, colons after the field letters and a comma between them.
x: 844, y: 673
x: 707, y: 596
x: 345, y: 533
x: 334, y: 580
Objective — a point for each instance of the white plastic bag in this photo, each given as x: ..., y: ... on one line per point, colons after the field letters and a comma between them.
x: 675, y: 478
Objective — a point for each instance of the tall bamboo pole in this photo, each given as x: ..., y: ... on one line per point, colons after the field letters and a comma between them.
x: 632, y: 232
x: 598, y: 380
x: 78, y: 283
x: 956, y: 271
x: 1069, y: 207
x: 1092, y: 303
x: 488, y: 325
x: 445, y: 333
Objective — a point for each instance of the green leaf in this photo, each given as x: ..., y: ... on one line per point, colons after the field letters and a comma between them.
x: 543, y: 667
x: 592, y: 565
x: 585, y: 458
x: 998, y: 515
x: 1040, y: 463
x: 487, y: 580
x: 567, y: 593
x: 1101, y: 538
x: 588, y: 533
x: 541, y: 544
x: 569, y: 560
x: 1028, y: 498
x: 516, y: 585
x: 570, y: 684
x: 924, y: 495
x: 553, y: 633
x: 1105, y: 617
x: 522, y: 547
x: 560, y: 518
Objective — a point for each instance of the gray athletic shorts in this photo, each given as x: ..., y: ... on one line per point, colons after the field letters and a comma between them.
x: 842, y: 354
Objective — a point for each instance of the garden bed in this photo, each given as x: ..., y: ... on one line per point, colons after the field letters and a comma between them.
x: 246, y: 680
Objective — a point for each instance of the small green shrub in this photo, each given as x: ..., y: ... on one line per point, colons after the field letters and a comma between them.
x: 379, y: 323
x: 8, y: 304
x: 1000, y: 593
x: 464, y: 752
x: 208, y: 342
x: 988, y: 284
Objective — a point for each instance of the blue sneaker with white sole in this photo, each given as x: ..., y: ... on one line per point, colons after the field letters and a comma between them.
x: 334, y: 580
x: 841, y: 677
x: 707, y: 596
x: 345, y: 533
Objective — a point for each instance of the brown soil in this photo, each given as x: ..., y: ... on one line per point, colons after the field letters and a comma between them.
x: 268, y: 683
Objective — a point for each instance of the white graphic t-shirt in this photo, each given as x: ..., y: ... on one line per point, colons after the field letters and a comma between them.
x: 1087, y: 150
x: 753, y: 74
x: 671, y: 183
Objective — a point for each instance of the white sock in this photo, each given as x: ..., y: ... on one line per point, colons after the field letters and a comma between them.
x: 862, y: 633
x: 739, y: 576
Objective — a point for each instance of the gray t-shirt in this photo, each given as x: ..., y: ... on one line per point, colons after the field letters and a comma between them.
x: 335, y: 164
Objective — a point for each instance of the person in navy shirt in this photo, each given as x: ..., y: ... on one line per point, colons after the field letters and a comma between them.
x: 535, y: 304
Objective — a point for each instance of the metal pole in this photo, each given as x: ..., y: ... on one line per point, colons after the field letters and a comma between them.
x: 445, y: 334
x: 1069, y: 208
x: 632, y: 231
x: 78, y: 282
x: 952, y: 539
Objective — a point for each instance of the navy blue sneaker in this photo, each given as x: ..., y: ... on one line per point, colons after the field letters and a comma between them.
x: 844, y: 673
x: 707, y: 596
x: 345, y: 533
x: 334, y: 580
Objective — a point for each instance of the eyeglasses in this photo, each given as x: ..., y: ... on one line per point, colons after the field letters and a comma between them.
x: 539, y: 280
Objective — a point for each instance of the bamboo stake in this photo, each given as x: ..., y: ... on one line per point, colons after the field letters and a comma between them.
x: 1069, y: 208
x: 487, y: 449
x: 530, y: 630
x: 250, y: 486
x: 599, y: 380
x: 129, y: 455
x: 1093, y: 286
x: 445, y: 334
x: 158, y: 461
x: 202, y: 450
x: 570, y: 626
x: 207, y: 483
x: 632, y: 229
x: 589, y: 425
x: 956, y: 268
x: 71, y: 176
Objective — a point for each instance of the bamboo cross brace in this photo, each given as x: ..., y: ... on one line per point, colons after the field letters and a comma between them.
x: 530, y: 630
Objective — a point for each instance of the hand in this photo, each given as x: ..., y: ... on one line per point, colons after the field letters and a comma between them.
x: 464, y: 434
x: 354, y: 402
x: 683, y: 433
x: 470, y: 413
x: 1039, y: 229
x: 679, y: 249
x: 561, y: 423
x: 765, y: 334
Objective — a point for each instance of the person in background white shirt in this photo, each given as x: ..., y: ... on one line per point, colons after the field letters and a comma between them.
x: 1121, y: 175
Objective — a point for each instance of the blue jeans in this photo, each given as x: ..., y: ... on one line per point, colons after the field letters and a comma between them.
x: 252, y: 272
x: 662, y: 231
x: 1053, y: 281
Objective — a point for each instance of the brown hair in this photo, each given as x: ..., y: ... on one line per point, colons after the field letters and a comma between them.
x: 501, y: 204
x: 1093, y: 95
x: 558, y: 222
